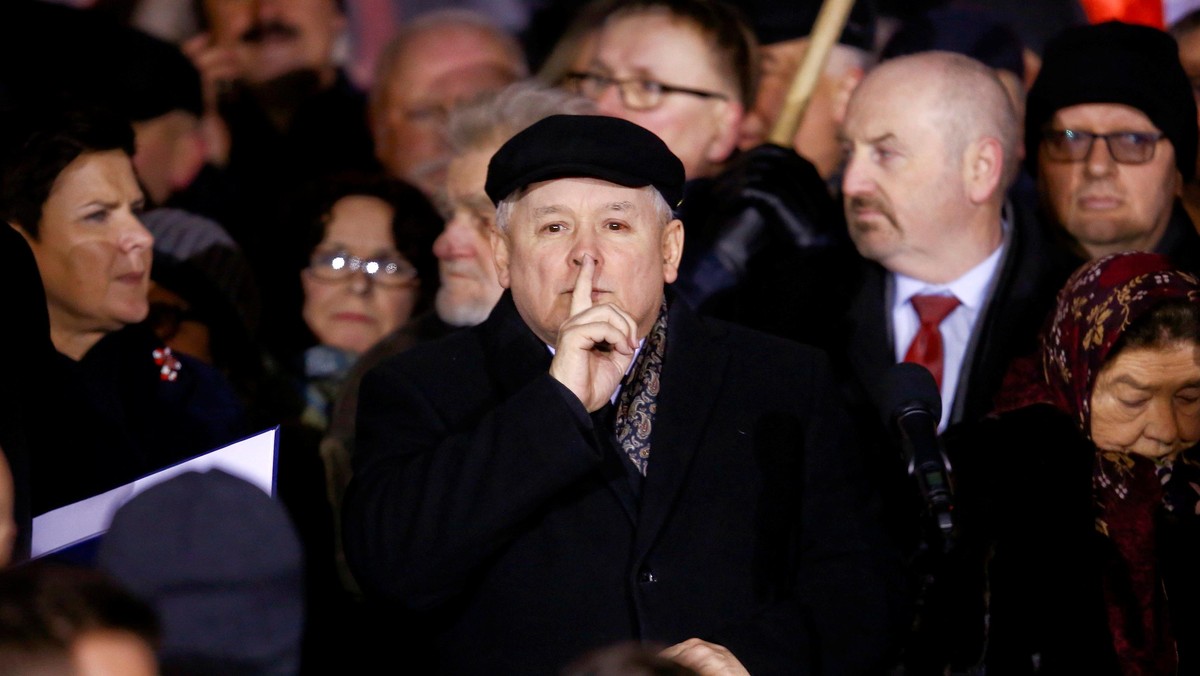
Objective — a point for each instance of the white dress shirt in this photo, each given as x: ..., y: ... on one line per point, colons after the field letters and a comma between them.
x: 972, y: 290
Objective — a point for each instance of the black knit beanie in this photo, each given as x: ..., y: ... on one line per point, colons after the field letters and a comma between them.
x: 1115, y: 62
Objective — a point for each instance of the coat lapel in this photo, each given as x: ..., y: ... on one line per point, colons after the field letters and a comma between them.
x: 868, y: 347
x: 516, y: 357
x: 693, y: 369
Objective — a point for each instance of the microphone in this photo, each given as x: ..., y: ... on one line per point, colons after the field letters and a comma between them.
x: 912, y: 406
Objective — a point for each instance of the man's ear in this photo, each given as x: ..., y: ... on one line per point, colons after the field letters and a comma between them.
x: 500, y: 254
x: 187, y: 159
x: 983, y: 169
x: 21, y: 232
x: 845, y: 88
x: 672, y: 249
x: 728, y: 131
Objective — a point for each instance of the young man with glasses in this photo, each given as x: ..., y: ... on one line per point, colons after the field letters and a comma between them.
x: 1110, y: 133
x: 684, y: 69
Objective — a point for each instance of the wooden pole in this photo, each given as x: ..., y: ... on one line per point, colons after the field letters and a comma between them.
x: 828, y: 26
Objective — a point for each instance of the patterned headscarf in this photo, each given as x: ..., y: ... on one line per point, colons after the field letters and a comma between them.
x: 1095, y: 308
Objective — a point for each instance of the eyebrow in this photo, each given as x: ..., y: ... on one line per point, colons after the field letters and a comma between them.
x: 624, y: 205
x: 1130, y: 381
x: 106, y: 204
x: 548, y: 210
x: 337, y: 246
x: 480, y: 203
x: 842, y: 138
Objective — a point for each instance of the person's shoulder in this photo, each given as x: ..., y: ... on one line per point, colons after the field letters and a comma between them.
x: 442, y: 357
x: 752, y: 344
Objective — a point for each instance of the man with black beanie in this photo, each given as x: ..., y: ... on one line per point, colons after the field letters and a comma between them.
x: 1110, y: 134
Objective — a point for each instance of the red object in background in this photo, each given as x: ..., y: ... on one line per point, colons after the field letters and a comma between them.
x: 1145, y: 12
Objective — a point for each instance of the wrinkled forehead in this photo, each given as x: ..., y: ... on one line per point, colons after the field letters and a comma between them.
x: 654, y: 42
x: 582, y: 194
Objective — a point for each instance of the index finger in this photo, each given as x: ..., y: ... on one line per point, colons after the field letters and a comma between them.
x: 581, y: 296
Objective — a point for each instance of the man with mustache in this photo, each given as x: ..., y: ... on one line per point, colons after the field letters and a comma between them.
x: 1110, y: 133
x: 595, y: 463
x: 932, y: 145
x: 955, y: 278
x: 279, y: 115
x: 278, y: 56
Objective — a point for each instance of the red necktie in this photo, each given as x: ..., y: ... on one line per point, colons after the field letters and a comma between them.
x: 926, y: 347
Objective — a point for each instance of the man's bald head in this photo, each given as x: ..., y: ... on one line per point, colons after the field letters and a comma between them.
x: 930, y: 142
x: 439, y: 60
x: 968, y: 99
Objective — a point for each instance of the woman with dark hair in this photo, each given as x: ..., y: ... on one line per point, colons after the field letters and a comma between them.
x: 370, y: 268
x: 1081, y: 498
x: 117, y: 403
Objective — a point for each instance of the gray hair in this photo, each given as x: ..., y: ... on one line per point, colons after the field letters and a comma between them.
x: 442, y: 18
x: 495, y: 117
x: 662, y: 210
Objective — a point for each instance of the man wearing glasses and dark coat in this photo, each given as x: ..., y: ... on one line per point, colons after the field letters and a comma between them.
x: 1110, y: 133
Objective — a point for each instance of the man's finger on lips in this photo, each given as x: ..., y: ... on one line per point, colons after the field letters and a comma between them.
x: 581, y: 296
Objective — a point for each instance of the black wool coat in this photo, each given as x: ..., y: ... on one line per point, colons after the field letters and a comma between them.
x: 485, y: 499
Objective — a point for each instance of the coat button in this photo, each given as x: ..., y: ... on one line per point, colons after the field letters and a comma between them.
x: 646, y: 576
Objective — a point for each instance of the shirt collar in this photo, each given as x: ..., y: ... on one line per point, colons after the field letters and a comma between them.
x: 971, y: 289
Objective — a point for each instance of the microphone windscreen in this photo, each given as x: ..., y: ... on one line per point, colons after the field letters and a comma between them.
x: 907, y: 386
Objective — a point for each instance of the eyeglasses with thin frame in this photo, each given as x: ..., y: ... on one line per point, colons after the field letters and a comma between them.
x: 1126, y: 147
x: 338, y: 266
x: 637, y: 93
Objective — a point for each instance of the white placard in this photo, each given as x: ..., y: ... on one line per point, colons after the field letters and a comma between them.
x: 254, y: 459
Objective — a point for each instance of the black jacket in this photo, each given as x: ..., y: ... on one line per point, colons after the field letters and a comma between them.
x: 1029, y: 547
x: 484, y: 498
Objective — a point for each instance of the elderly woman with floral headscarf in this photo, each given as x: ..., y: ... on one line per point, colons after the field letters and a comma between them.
x: 1080, y: 498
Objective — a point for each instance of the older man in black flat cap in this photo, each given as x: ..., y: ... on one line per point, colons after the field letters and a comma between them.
x: 1110, y: 133
x: 595, y: 464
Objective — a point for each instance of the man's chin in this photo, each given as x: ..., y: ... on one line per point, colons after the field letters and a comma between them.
x: 462, y: 311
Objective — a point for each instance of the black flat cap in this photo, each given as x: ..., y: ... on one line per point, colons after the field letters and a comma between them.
x: 585, y: 146
x: 1115, y: 62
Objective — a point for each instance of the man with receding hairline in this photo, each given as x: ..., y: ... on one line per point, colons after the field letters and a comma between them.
x: 436, y: 61
x: 955, y: 279
x: 931, y: 141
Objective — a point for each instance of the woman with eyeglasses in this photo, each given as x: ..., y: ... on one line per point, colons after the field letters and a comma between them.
x: 370, y: 268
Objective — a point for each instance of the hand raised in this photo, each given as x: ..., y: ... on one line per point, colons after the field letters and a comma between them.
x: 218, y: 68
x: 595, y: 344
x: 704, y: 658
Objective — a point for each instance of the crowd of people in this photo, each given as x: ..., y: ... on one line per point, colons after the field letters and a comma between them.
x: 577, y: 367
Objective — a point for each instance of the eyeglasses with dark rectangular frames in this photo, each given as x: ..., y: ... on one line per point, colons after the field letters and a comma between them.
x: 637, y: 93
x: 1126, y: 147
x: 338, y: 266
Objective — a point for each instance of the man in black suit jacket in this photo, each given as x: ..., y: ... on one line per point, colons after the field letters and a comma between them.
x: 725, y: 515
x: 933, y: 147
